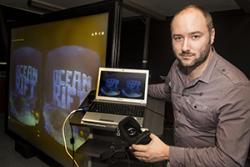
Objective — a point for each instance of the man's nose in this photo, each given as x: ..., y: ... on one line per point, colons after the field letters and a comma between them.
x: 185, y: 45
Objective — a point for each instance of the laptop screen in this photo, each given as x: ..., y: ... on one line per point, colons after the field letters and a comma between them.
x: 122, y: 85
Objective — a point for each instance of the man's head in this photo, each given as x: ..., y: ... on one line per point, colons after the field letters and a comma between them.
x: 192, y: 36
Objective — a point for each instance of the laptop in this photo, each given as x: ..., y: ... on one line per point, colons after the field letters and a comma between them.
x: 126, y: 89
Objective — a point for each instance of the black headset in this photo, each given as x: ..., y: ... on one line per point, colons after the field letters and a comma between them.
x: 130, y: 131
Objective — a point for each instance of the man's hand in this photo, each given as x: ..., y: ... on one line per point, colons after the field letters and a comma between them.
x: 155, y: 151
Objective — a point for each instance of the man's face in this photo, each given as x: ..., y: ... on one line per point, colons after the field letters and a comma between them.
x: 191, y: 39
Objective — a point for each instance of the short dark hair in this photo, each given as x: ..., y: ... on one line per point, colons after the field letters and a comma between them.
x: 205, y: 13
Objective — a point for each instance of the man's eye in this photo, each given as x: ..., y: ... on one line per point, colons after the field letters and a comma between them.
x: 178, y: 38
x: 195, y: 37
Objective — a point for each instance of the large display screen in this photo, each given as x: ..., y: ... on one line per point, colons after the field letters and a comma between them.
x: 53, y: 66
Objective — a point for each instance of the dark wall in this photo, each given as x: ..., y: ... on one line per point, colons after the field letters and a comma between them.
x: 160, y: 55
x: 8, y: 16
x: 3, y: 36
x: 132, y: 42
x: 159, y: 46
x: 233, y: 38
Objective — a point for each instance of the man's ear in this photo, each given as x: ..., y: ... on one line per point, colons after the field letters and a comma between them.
x: 212, y: 36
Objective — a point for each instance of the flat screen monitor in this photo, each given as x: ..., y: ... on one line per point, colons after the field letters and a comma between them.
x: 53, y: 66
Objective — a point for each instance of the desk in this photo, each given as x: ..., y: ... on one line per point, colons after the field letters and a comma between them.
x: 102, y: 138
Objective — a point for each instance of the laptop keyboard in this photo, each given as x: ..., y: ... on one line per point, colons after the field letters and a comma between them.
x: 119, y: 109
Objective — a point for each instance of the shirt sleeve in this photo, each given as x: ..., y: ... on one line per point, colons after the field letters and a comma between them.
x: 160, y: 90
x: 232, y: 135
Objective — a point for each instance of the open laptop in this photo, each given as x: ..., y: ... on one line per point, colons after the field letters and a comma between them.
x: 119, y: 87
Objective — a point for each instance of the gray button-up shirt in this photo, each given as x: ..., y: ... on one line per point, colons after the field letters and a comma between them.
x: 212, y: 115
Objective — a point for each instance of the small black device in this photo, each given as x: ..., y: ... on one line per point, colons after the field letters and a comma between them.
x: 131, y: 132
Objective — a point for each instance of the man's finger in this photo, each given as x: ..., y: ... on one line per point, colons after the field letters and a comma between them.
x: 139, y: 154
x: 139, y: 147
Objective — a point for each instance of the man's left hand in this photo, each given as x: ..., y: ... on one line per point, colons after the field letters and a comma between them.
x: 155, y: 151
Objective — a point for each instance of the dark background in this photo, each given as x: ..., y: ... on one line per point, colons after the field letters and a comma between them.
x: 232, y: 42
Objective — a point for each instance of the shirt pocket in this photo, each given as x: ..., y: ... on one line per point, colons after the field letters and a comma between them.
x: 199, y: 114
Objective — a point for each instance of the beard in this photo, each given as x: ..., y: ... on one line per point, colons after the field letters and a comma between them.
x: 203, y: 55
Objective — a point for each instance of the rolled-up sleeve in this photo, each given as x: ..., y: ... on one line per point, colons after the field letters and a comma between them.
x: 160, y: 90
x: 232, y: 135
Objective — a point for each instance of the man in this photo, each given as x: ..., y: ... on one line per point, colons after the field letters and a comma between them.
x: 210, y: 99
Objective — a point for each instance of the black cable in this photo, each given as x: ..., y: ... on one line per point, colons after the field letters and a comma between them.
x: 64, y: 137
x: 129, y: 161
x: 127, y: 155
x: 122, y: 151
x: 72, y: 141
